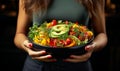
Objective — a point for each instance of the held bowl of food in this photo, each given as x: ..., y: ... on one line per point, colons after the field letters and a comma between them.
x: 60, y: 38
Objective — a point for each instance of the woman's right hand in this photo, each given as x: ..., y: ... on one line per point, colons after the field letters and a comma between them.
x: 38, y: 55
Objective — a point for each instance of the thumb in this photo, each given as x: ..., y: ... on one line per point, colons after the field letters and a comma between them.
x: 26, y: 43
x: 90, y: 47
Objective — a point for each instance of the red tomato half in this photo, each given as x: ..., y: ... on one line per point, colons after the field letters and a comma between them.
x: 54, y: 22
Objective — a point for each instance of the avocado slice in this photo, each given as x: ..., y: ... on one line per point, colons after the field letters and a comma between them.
x: 58, y: 30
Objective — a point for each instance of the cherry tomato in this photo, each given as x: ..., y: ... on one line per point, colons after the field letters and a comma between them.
x: 53, y: 42
x: 80, y: 38
x: 76, y: 23
x: 54, y: 22
x: 68, y: 41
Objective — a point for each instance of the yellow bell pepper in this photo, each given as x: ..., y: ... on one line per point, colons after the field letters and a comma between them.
x: 90, y: 34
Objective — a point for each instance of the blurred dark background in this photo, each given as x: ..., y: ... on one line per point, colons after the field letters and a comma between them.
x: 12, y: 58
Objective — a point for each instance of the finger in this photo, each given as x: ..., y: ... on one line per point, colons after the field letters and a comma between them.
x: 90, y: 47
x: 73, y: 60
x: 42, y: 57
x: 79, y: 58
x: 26, y: 43
x: 37, y: 53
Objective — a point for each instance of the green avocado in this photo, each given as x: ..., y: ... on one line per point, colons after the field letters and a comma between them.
x: 59, y: 30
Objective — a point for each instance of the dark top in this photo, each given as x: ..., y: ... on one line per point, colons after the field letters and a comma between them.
x: 69, y: 10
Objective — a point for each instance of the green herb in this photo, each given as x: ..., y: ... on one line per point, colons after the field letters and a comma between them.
x: 33, y: 31
x: 76, y: 30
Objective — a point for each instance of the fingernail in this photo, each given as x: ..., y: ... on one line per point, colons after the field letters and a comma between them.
x: 43, y: 52
x: 49, y: 56
x: 71, y: 56
x: 30, y: 45
x: 87, y: 48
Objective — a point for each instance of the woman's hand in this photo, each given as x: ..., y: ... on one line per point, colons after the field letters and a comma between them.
x: 84, y: 57
x: 38, y: 55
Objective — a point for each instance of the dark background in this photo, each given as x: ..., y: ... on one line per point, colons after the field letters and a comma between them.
x: 12, y: 58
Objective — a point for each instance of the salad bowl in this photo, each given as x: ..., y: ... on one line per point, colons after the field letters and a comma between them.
x: 60, y: 39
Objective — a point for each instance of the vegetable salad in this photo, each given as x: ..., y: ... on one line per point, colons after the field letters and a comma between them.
x: 60, y: 34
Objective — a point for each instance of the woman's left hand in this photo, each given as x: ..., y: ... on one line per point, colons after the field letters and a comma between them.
x: 82, y: 58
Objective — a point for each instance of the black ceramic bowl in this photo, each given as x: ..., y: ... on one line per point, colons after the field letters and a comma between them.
x: 62, y: 53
